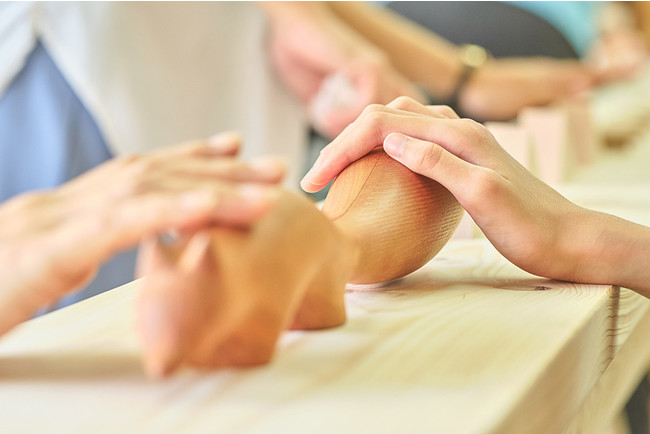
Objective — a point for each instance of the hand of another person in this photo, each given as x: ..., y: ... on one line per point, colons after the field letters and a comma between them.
x: 618, y: 56
x: 527, y: 221
x: 502, y: 87
x: 52, y: 242
x: 333, y: 70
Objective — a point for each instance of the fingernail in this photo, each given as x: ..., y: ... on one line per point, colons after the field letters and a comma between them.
x: 225, y: 142
x: 308, y: 180
x: 269, y: 166
x: 394, y: 144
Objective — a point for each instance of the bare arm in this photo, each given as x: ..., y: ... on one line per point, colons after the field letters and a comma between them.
x: 496, y: 91
x: 309, y: 45
x: 419, y: 54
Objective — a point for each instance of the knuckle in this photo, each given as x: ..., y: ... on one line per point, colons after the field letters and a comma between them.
x: 137, y: 165
x: 68, y: 277
x: 372, y: 110
x: 429, y: 158
x: 199, y: 148
x: 447, y: 111
x: 138, y: 173
x: 402, y: 102
x: 478, y: 130
x: 373, y: 117
x: 127, y: 160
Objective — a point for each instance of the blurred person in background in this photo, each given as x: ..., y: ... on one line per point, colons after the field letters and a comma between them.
x: 605, y: 37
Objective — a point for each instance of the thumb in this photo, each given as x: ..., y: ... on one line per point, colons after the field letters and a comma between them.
x: 432, y: 161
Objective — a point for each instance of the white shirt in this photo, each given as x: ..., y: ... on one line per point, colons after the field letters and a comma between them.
x: 154, y: 74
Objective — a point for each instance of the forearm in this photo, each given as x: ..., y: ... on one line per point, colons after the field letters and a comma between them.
x: 280, y: 10
x: 641, y: 11
x: 417, y: 53
x: 614, y: 251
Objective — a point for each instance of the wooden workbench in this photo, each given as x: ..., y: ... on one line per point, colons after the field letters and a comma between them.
x: 469, y: 343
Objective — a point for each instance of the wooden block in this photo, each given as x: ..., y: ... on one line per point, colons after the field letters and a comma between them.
x: 582, y: 135
x: 548, y: 127
x: 515, y: 139
x: 563, y: 139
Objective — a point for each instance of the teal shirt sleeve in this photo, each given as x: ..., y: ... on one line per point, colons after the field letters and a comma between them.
x: 574, y: 19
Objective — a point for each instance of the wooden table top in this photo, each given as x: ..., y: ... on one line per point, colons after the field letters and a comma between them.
x: 469, y: 343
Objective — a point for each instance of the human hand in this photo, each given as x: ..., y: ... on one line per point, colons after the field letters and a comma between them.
x: 618, y: 55
x: 333, y: 70
x: 502, y: 87
x: 52, y: 242
x: 221, y: 297
x: 527, y: 221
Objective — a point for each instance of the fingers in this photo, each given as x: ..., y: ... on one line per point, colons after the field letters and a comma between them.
x: 409, y: 104
x: 139, y: 217
x: 432, y: 161
x: 370, y: 130
x: 263, y: 170
x: 224, y: 144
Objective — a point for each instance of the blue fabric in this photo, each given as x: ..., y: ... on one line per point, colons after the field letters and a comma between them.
x: 576, y: 20
x: 47, y: 137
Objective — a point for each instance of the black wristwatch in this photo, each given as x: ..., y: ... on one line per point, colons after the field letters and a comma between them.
x: 472, y: 57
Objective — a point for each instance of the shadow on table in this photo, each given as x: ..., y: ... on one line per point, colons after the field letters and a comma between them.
x: 433, y: 281
x: 77, y: 366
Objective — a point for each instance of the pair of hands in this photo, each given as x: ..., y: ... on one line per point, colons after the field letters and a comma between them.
x: 336, y: 72
x: 502, y: 87
x: 52, y: 242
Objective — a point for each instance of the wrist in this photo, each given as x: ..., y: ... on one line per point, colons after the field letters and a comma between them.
x: 605, y: 249
x: 471, y: 57
x: 288, y: 12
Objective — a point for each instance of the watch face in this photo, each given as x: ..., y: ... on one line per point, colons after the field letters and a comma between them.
x: 473, y: 55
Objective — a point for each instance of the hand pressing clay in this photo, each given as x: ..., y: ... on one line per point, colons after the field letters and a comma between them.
x: 221, y: 297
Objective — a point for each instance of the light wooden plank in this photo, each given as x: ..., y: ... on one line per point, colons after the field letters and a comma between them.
x: 468, y: 344
x: 553, y: 155
x: 614, y: 388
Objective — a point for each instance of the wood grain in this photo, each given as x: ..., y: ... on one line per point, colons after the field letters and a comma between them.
x: 399, y: 219
x: 469, y: 343
x: 610, y: 394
